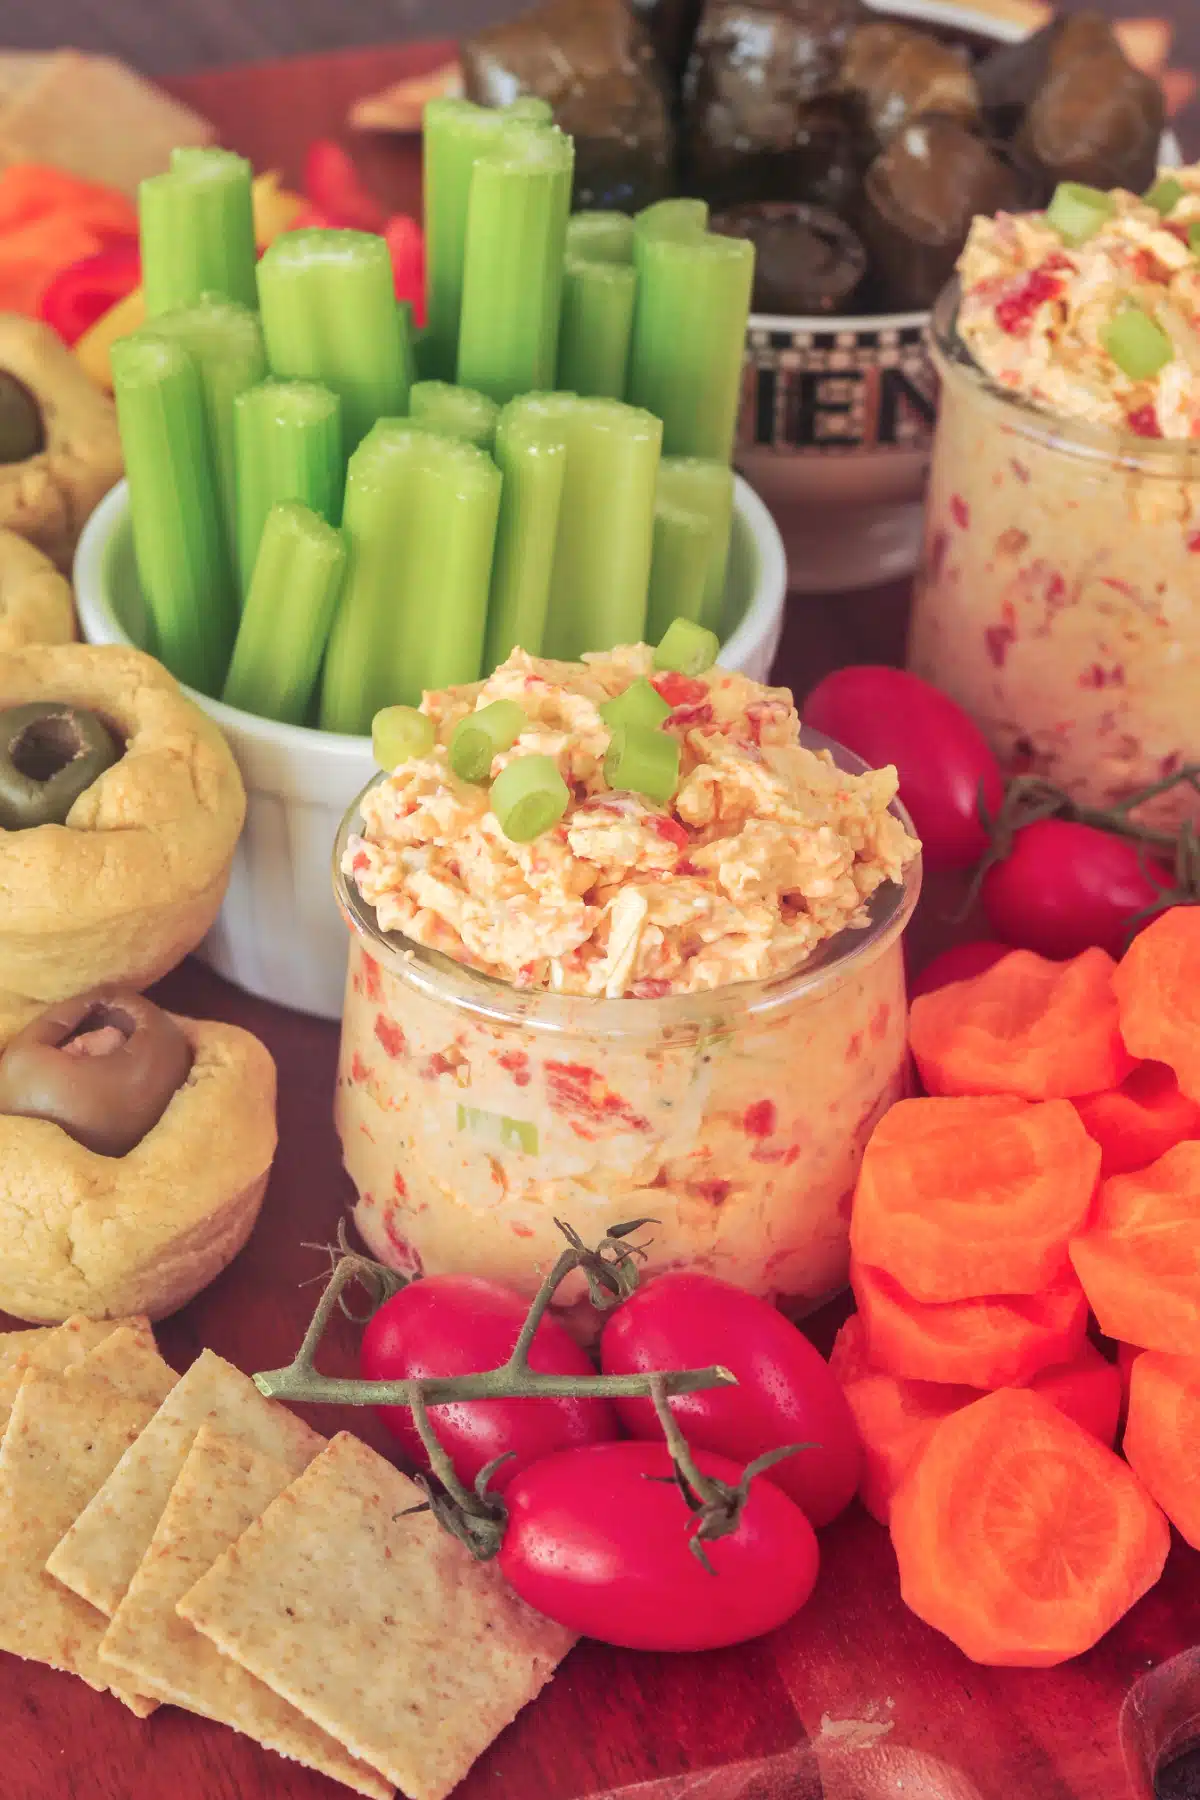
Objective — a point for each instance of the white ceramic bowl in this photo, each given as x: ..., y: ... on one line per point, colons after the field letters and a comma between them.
x: 279, y: 934
x: 838, y: 412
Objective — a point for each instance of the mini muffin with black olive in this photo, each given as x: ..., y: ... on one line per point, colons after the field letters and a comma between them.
x: 135, y: 1148
x: 60, y: 451
x: 120, y: 807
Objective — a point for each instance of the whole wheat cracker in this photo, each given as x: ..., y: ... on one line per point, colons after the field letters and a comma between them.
x: 376, y: 1623
x: 222, y: 1488
x: 99, y: 1556
x: 66, y: 1434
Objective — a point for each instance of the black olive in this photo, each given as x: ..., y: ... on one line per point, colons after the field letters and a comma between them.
x: 50, y: 753
x: 22, y: 427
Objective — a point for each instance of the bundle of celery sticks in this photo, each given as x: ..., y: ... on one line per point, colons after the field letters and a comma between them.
x: 333, y: 512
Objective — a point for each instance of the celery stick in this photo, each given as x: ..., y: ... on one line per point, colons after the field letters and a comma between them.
x: 704, y: 487
x: 533, y: 461
x: 224, y: 340
x: 605, y: 536
x: 520, y: 197
x: 197, y: 230
x: 329, y: 314
x: 420, y: 524
x: 595, y: 327
x: 683, y: 547
x: 600, y: 236
x: 454, y: 134
x: 689, y: 336
x: 288, y: 442
x: 181, y: 557
x: 457, y: 411
x: 679, y: 219
x: 287, y: 617
x: 409, y: 336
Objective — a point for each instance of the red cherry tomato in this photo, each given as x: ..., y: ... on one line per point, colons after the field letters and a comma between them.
x: 460, y: 1325
x: 334, y: 187
x: 598, y: 1540
x: 1067, y: 886
x: 940, y: 754
x: 785, y: 1393
x: 960, y: 963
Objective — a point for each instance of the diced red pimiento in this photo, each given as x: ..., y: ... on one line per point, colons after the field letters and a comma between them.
x: 581, y: 1093
x: 1193, y: 542
x: 880, y: 1020
x: 786, y: 1154
x: 1143, y: 422
x: 760, y: 1119
x: 517, y: 1064
x: 359, y: 1071
x: 650, y: 987
x: 372, y: 980
x: 390, y: 1036
x: 1143, y: 265
x: 434, y: 1066
x: 671, y: 830
x: 521, y: 1231
x: 938, y: 546
x: 404, y: 1257
x: 361, y: 861
x: 1020, y: 472
x: 1098, y: 677
x: 960, y: 512
x: 998, y: 639
x: 688, y: 718
x: 716, y: 1192
x: 679, y: 690
x: 855, y: 1047
x: 400, y: 1185
x: 684, y: 867
x: 1015, y: 312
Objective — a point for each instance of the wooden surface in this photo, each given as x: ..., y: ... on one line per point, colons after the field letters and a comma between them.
x: 855, y: 1699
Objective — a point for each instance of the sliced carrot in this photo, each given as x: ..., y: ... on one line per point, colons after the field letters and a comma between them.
x: 1139, y: 1121
x: 1020, y: 1537
x: 1127, y: 1355
x: 963, y: 1198
x: 1087, y: 1389
x: 1139, y: 1259
x: 985, y: 1343
x: 1161, y: 1435
x: 1157, y: 986
x: 1027, y: 1026
x: 31, y: 191
x: 848, y: 1360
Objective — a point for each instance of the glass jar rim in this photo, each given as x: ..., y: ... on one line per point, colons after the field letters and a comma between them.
x: 1160, y: 457
x: 679, y: 1016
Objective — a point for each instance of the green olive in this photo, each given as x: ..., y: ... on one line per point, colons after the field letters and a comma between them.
x: 103, y: 1067
x: 49, y: 754
x: 22, y: 427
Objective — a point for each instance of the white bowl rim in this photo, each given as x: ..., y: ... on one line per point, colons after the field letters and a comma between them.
x: 954, y: 18
x: 767, y: 604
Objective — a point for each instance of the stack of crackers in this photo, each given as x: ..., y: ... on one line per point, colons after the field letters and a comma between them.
x: 183, y: 1540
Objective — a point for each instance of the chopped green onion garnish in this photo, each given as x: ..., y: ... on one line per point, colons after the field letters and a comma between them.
x: 398, y: 733
x: 1137, y: 344
x: 639, y: 704
x: 528, y: 797
x: 1165, y: 195
x: 641, y: 760
x: 1077, y: 212
x: 483, y: 735
x: 687, y: 648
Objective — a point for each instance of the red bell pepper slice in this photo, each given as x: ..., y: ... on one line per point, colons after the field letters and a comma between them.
x: 406, y: 241
x: 333, y: 187
x: 84, y: 291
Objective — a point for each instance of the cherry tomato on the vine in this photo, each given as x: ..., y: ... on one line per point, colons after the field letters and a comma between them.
x: 599, y: 1540
x: 941, y: 756
x: 462, y: 1325
x: 960, y: 963
x: 786, y: 1393
x: 1065, y: 887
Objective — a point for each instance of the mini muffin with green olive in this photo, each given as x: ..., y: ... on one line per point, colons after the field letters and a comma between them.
x: 135, y: 1148
x: 120, y: 808
x: 60, y: 452
x: 36, y: 603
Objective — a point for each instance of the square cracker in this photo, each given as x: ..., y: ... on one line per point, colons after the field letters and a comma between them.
x: 54, y: 1347
x: 66, y: 1434
x: 98, y: 1558
x: 222, y: 1488
x: 376, y: 1623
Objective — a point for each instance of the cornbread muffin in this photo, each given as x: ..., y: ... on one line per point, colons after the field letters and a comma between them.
x: 132, y: 881
x: 36, y: 603
x: 144, y: 1232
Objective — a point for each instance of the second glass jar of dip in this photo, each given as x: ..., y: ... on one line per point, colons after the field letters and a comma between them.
x: 1058, y: 598
x: 473, y: 1115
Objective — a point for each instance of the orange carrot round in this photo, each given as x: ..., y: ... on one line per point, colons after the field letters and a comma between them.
x: 1161, y: 1435
x: 1087, y: 1389
x: 1139, y: 1258
x: 983, y: 1343
x: 1157, y: 985
x: 1041, y: 1030
x: 1139, y: 1121
x: 962, y: 1198
x: 1020, y: 1537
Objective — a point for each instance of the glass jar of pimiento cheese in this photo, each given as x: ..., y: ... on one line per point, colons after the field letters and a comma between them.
x: 1058, y: 598
x: 473, y: 1115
